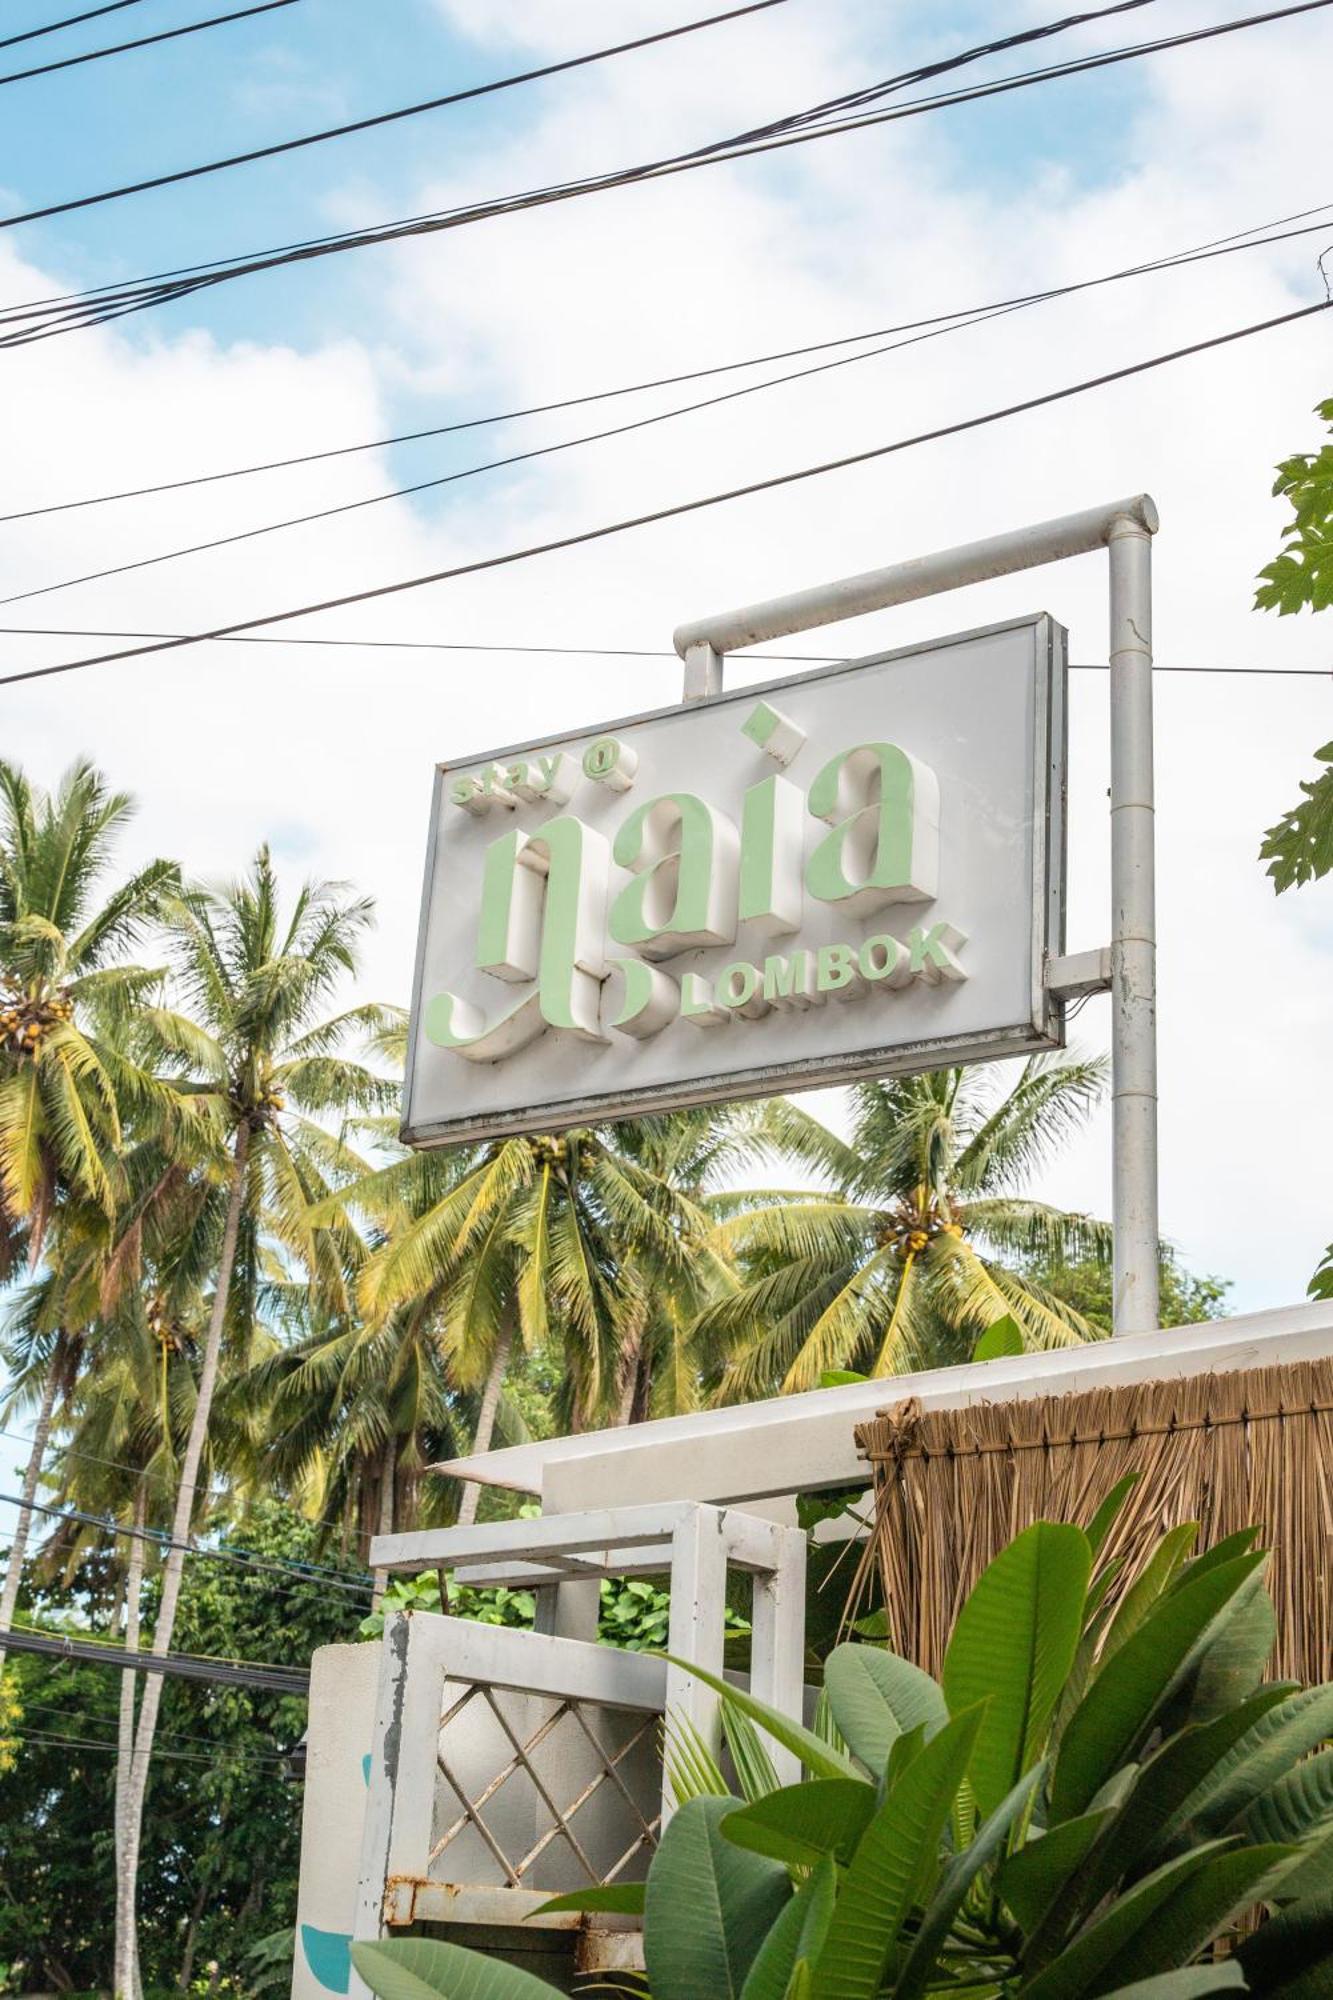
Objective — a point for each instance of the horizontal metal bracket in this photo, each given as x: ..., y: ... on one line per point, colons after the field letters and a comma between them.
x: 1079, y: 973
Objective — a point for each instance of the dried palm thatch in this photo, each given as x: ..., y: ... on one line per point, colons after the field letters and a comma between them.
x: 1227, y: 1450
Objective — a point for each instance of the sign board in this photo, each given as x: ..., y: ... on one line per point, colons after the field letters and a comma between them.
x: 853, y: 872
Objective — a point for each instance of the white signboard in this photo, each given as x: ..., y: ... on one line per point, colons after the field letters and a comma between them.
x: 850, y: 873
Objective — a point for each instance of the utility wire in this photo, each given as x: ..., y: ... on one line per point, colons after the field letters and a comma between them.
x: 564, y: 652
x: 981, y: 317
x: 187, y: 1666
x: 144, y: 41
x: 43, y: 319
x: 773, y: 483
x: 50, y: 1739
x: 391, y: 117
x: 82, y: 1717
x: 1217, y: 247
x: 70, y: 21
x: 161, y: 1540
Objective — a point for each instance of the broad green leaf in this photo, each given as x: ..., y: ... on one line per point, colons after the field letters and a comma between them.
x: 709, y: 1906
x: 920, y: 1968
x: 624, y: 1898
x: 875, y: 1696
x: 1108, y: 1513
x: 895, y: 1866
x: 1142, y: 1835
x: 796, y: 1938
x: 1221, y: 1552
x: 1078, y: 1971
x: 817, y: 1756
x: 803, y: 1823
x: 1298, y: 1805
x: 1265, y: 1753
x: 1234, y: 1657
x: 839, y: 1378
x: 1150, y: 1584
x: 1034, y: 1877
x: 1125, y: 1696
x: 1312, y: 1873
x: 1291, y: 1956
x: 1005, y: 1337
x: 425, y: 1969
x: 1198, y: 1910
x: 1189, y: 1983
x: 1013, y: 1645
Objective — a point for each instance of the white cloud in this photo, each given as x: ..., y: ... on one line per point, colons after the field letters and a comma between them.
x: 331, y: 750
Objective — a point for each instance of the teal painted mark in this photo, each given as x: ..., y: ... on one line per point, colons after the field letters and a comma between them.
x: 329, y: 1956
x: 365, y: 1768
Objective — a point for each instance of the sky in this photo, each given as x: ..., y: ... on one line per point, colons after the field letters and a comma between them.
x: 328, y: 753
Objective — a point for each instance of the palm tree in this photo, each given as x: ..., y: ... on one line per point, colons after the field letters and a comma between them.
x: 67, y: 1081
x: 253, y: 1047
x: 921, y: 1242
x: 597, y: 1240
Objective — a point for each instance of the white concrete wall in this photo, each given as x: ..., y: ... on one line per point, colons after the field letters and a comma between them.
x: 343, y: 1684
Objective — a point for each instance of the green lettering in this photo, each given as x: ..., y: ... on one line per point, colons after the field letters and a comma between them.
x: 883, y: 808
x: 683, y: 858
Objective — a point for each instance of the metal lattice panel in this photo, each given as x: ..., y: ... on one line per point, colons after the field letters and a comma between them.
x: 550, y: 1766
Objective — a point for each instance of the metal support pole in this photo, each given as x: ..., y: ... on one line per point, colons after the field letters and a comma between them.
x: 1133, y: 933
x: 703, y: 672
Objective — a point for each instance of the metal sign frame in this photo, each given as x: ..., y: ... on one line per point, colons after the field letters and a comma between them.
x: 1041, y: 1028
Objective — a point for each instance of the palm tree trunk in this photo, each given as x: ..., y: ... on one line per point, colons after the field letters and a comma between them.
x: 125, y: 1977
x: 631, y: 1360
x: 173, y: 1568
x: 23, y: 1526
x: 490, y: 1404
x: 385, y: 1523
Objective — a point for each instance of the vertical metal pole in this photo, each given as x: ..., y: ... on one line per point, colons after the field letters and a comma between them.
x: 1133, y: 932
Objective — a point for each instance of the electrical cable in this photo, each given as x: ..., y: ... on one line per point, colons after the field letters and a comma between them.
x: 392, y: 117
x: 983, y: 316
x: 70, y: 21
x: 1200, y: 253
x: 160, y: 1540
x: 267, y: 1677
x: 564, y: 652
x: 167, y: 1756
x: 167, y: 1736
x: 217, y: 1493
x: 103, y: 304
x: 144, y: 41
x: 774, y: 482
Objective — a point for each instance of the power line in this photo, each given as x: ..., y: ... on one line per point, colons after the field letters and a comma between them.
x: 50, y: 1738
x: 392, y: 117
x: 983, y: 316
x: 185, y: 1666
x: 161, y: 1540
x: 773, y: 483
x: 163, y: 1735
x: 102, y: 304
x: 143, y: 42
x: 1217, y: 247
x: 564, y: 652
x: 70, y: 21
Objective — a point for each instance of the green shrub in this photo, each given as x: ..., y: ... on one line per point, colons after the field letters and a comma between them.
x: 1089, y: 1802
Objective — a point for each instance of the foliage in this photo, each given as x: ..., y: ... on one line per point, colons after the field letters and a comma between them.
x: 634, y: 1612
x: 1085, y: 1284
x: 1321, y: 1285
x: 11, y: 1715
x: 1089, y: 1803
x: 923, y: 1243
x: 1299, y: 848
x: 222, y: 1825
